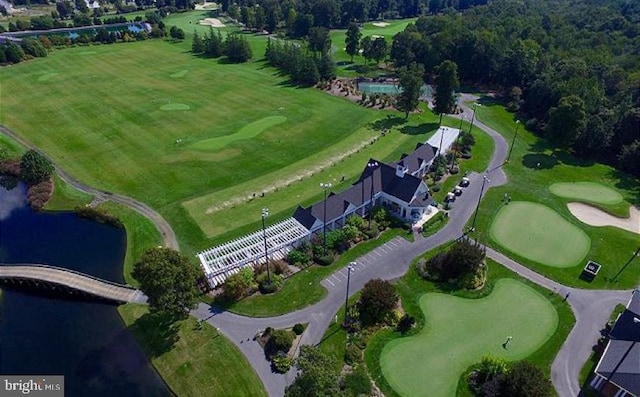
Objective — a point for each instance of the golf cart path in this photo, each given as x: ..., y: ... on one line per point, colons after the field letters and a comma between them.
x: 168, y: 236
x: 392, y: 260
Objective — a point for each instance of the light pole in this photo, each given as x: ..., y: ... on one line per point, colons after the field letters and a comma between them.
x: 473, y: 117
x: 346, y: 299
x: 475, y: 215
x: 513, y: 141
x: 626, y: 264
x: 455, y: 149
x: 324, y: 187
x: 265, y: 213
x: 371, y: 165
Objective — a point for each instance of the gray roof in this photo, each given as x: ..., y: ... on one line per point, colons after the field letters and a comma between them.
x: 423, y: 153
x: 384, y: 179
x: 620, y: 362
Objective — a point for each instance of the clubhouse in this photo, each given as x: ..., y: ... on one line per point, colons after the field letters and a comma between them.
x: 618, y: 371
x: 398, y: 187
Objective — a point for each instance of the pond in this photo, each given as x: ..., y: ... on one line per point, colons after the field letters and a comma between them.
x: 86, y: 341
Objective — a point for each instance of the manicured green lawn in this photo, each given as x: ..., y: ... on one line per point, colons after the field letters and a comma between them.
x: 141, y: 235
x: 202, y: 362
x: 540, y: 234
x: 248, y: 131
x: 65, y: 197
x: 458, y: 330
x: 528, y: 181
x: 586, y: 191
x: 462, y: 331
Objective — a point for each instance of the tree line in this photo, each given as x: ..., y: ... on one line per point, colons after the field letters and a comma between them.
x: 213, y: 45
x: 297, y: 18
x: 569, y: 69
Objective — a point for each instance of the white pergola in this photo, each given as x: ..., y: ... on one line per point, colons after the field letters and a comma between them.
x: 224, y: 260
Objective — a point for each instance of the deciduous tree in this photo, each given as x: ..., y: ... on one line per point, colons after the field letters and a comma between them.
x: 34, y: 167
x: 317, y: 376
x: 377, y: 299
x: 169, y: 281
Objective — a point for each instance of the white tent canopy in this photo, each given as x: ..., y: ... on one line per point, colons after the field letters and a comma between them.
x: 448, y: 136
x: 224, y: 260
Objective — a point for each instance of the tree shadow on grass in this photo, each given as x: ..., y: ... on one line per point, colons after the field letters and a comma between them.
x: 628, y: 183
x: 418, y: 129
x: 539, y: 161
x: 159, y: 333
x: 387, y: 123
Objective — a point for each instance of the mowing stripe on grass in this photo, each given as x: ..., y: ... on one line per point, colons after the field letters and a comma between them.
x: 538, y: 233
x: 248, y: 131
x: 461, y: 331
x: 588, y: 191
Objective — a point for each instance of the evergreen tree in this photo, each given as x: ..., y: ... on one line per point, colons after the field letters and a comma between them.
x: 411, y: 84
x: 352, y: 39
x: 446, y: 83
x: 197, y: 47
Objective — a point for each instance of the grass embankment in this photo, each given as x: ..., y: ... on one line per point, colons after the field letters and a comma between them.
x: 141, y: 235
x: 534, y: 167
x: 412, y: 289
x: 200, y: 363
x: 303, y: 288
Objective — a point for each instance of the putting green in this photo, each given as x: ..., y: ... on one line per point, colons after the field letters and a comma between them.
x: 588, y: 191
x: 248, y: 131
x: 461, y: 331
x: 175, y: 106
x: 537, y: 232
x: 179, y: 74
x: 47, y: 77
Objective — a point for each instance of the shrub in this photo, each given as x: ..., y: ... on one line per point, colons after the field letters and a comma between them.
x: 298, y: 329
x: 373, y: 232
x: 358, y: 382
x: 276, y: 267
x: 325, y: 260
x: 98, y: 215
x: 268, y: 287
x: 377, y: 300
x: 466, y: 155
x: 454, y: 170
x: 280, y: 340
x: 298, y: 257
x: 353, y: 355
x: 436, y: 188
x: 281, y: 363
x: 405, y: 323
x: 39, y: 194
x: 238, y: 285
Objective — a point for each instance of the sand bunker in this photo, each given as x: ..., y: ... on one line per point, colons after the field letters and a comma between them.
x: 206, y: 6
x: 596, y: 217
x: 381, y: 24
x: 215, y: 22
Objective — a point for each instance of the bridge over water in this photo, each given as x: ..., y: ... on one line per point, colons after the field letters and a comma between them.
x: 64, y: 280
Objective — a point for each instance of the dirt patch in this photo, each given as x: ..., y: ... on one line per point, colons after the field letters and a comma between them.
x: 596, y: 217
x: 215, y: 22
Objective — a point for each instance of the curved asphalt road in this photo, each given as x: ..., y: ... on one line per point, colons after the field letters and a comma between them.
x: 392, y: 260
x: 160, y: 223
